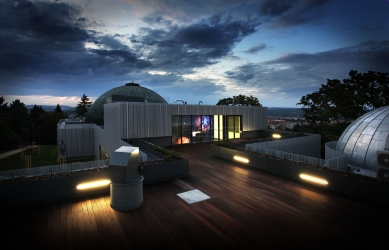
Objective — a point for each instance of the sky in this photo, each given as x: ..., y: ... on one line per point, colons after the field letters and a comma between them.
x: 53, y: 52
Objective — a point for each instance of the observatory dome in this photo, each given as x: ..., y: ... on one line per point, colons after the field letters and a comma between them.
x: 366, y: 136
x: 129, y: 92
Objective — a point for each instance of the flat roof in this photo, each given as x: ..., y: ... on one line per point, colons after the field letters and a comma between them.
x: 247, y: 208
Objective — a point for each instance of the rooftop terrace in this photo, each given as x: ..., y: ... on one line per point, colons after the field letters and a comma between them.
x: 248, y: 208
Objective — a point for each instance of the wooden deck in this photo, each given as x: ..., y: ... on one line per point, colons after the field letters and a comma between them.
x: 247, y: 209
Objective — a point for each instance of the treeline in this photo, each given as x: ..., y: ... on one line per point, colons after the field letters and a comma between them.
x: 346, y: 101
x: 336, y: 104
x: 22, y: 126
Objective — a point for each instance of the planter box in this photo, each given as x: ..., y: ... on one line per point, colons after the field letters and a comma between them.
x: 42, y: 191
x: 342, y: 183
x: 165, y: 171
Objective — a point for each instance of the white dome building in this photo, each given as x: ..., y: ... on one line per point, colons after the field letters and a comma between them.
x: 366, y: 141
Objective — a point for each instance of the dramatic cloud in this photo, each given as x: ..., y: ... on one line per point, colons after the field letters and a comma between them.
x: 287, y: 13
x: 372, y: 55
x: 292, y: 73
x: 43, y: 37
x: 243, y: 73
x: 275, y: 49
x: 182, y: 48
x: 256, y: 49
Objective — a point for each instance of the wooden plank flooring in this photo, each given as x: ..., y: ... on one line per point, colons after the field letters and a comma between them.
x: 248, y: 209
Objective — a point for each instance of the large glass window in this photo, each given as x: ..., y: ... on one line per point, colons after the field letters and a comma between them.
x: 237, y: 126
x: 221, y: 127
x: 215, y: 127
x: 197, y: 128
x: 206, y: 128
x: 186, y: 129
x: 230, y: 122
x: 176, y: 129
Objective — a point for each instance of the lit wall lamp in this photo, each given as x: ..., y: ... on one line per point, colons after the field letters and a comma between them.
x: 93, y: 184
x: 241, y: 159
x: 277, y: 136
x: 313, y: 179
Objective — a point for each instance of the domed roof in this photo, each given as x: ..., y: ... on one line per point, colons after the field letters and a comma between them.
x: 364, y: 137
x: 134, y: 90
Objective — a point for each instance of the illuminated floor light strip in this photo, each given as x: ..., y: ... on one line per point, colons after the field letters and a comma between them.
x: 276, y: 136
x: 93, y: 184
x: 313, y: 179
x: 238, y: 158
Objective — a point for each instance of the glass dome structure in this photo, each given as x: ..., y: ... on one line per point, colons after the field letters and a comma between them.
x: 364, y: 137
x: 130, y: 90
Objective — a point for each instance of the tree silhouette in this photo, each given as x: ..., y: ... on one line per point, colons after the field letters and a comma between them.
x: 240, y: 100
x: 58, y: 109
x: 82, y: 107
x: 346, y: 100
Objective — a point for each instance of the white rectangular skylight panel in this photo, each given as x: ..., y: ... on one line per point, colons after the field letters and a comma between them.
x: 193, y: 196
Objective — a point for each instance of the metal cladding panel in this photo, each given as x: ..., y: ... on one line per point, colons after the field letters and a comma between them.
x: 142, y: 120
x: 79, y: 139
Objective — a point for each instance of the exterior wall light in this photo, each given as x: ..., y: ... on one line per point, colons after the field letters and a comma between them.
x: 93, y: 184
x: 313, y: 179
x: 241, y: 159
x: 277, y: 136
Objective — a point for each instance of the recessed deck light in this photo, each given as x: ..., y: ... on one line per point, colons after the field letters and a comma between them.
x: 241, y: 159
x: 93, y: 184
x: 277, y: 136
x: 313, y: 179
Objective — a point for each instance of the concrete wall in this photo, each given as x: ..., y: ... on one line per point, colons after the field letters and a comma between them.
x: 307, y: 145
x: 107, y: 141
x: 78, y: 137
x: 145, y: 120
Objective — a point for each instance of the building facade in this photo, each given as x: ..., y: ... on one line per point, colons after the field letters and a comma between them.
x: 132, y: 112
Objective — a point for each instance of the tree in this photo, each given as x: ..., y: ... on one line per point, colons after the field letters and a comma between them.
x: 19, y: 121
x: 9, y: 140
x: 3, y: 106
x: 58, y: 109
x: 346, y: 100
x: 240, y: 100
x: 82, y: 107
x: 38, y: 117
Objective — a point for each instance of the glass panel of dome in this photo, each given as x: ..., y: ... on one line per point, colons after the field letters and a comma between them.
x: 369, y: 130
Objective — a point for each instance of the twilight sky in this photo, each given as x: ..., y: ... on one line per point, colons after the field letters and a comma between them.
x: 276, y: 50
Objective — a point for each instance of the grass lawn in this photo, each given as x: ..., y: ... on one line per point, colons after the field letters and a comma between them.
x: 48, y: 157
